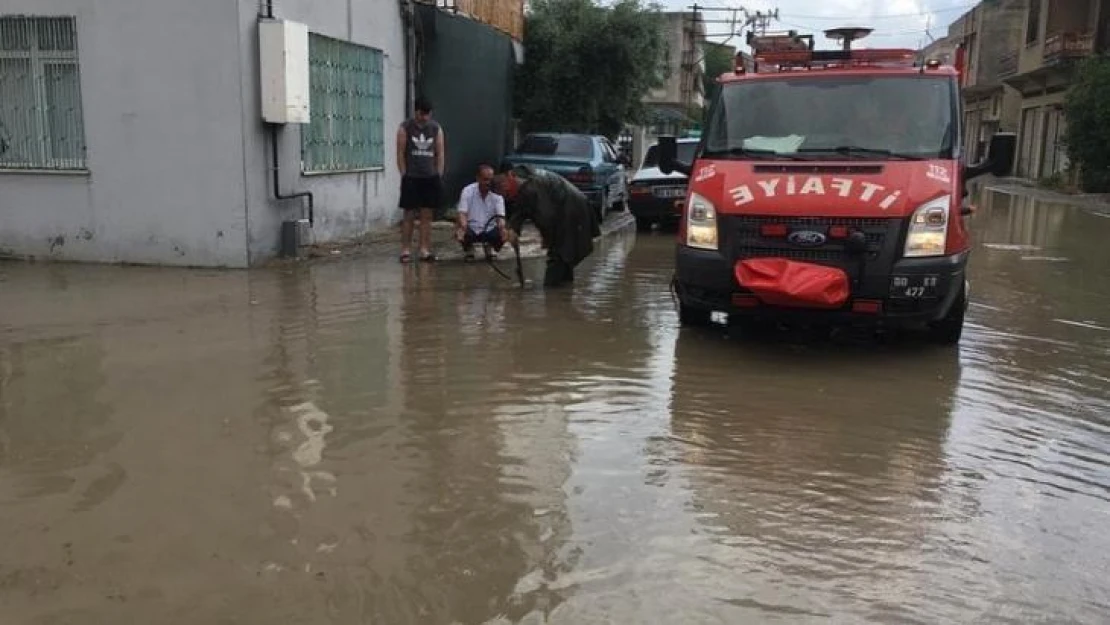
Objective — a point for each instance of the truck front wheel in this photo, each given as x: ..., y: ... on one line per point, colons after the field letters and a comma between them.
x: 950, y: 329
x: 693, y: 317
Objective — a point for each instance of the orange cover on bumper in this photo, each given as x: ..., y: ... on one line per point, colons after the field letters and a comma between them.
x: 783, y: 282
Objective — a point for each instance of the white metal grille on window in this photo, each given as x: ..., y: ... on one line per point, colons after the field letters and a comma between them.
x: 347, y: 131
x: 41, y: 124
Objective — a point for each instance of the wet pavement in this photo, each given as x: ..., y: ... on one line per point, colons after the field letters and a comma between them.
x: 360, y: 442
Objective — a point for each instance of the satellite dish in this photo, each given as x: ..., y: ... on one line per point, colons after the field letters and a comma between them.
x: 848, y: 34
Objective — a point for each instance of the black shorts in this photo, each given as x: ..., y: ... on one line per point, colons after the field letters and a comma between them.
x: 421, y: 193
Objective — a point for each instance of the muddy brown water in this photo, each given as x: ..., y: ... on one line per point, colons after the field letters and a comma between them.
x: 357, y: 442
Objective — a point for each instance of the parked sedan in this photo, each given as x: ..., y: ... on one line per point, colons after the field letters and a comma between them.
x: 590, y: 162
x: 652, y: 194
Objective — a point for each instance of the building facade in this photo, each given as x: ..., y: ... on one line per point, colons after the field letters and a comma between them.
x: 943, y: 50
x: 683, y: 89
x: 1055, y: 35
x: 989, y: 33
x: 134, y: 132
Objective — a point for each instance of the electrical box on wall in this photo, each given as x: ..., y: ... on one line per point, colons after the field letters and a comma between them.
x: 283, y: 69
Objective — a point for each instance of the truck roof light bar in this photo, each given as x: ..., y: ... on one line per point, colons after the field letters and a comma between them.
x: 835, y: 59
x: 791, y: 51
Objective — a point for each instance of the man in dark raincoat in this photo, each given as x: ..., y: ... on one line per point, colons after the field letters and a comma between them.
x: 562, y: 214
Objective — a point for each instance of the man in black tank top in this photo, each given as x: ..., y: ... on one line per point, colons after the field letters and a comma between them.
x: 420, y: 159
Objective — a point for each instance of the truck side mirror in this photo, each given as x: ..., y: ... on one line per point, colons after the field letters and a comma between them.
x: 1000, y: 157
x: 668, y: 157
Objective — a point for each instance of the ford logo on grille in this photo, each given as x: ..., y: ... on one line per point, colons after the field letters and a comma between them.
x: 806, y: 238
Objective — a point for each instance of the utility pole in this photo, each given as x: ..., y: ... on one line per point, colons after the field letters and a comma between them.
x: 735, y: 19
x: 928, y: 24
x: 731, y: 17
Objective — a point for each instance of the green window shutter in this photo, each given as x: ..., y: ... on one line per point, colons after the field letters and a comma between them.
x: 346, y: 131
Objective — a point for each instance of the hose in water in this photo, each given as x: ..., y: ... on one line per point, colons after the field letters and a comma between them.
x: 516, y: 252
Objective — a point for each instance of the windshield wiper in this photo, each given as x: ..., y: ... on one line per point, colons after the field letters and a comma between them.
x: 851, y: 150
x: 756, y: 153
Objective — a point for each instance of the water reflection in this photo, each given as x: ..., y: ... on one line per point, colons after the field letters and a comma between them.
x: 1020, y: 222
x: 432, y: 444
x: 491, y: 514
x: 817, y: 479
x: 1040, y: 260
x: 1036, y: 325
x: 54, y: 421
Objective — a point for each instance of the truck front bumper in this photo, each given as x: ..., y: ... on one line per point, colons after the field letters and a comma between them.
x: 911, y: 292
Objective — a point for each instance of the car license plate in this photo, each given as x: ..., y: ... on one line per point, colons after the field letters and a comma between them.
x: 670, y: 192
x: 913, y: 287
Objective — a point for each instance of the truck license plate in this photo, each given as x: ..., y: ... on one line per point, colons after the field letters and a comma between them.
x: 913, y: 287
x: 670, y: 193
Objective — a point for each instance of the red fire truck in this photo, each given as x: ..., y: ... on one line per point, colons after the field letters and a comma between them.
x: 829, y: 188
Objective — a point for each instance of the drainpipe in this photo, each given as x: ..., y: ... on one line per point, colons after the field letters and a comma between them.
x: 274, y: 128
x: 267, y: 12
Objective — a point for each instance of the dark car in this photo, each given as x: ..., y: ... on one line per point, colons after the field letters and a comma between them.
x: 653, y: 194
x: 591, y: 162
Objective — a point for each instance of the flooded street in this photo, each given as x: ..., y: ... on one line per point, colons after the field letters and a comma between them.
x: 361, y: 442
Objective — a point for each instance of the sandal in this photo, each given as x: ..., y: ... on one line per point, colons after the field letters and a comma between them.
x: 428, y: 257
x: 405, y: 257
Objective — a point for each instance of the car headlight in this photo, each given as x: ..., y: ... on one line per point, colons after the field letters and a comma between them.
x: 701, y: 223
x: 928, y: 235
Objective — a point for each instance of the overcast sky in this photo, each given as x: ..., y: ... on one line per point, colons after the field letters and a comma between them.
x: 897, y: 23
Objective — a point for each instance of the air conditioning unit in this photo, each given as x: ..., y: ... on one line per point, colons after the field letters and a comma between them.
x: 283, y: 71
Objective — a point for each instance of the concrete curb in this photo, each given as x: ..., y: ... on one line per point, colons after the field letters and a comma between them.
x: 386, y: 243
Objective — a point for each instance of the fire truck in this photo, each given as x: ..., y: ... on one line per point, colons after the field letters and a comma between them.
x: 828, y: 188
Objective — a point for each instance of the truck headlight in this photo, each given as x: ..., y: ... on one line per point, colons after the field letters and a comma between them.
x: 701, y: 223
x: 928, y: 235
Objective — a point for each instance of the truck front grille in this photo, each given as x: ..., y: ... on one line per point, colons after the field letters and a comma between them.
x: 747, y: 241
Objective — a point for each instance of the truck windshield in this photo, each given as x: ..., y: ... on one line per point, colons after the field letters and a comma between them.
x: 834, y: 117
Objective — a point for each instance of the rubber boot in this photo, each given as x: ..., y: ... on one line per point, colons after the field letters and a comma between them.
x: 558, y: 273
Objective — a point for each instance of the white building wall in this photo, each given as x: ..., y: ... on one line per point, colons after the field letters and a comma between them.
x: 177, y: 157
x: 347, y: 204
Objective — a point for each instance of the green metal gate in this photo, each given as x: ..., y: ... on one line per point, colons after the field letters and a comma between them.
x: 466, y: 71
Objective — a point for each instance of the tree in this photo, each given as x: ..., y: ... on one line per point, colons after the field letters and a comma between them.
x: 1087, y: 109
x: 718, y: 60
x: 587, y: 67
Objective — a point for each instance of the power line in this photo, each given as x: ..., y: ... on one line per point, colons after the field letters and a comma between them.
x: 760, y: 20
x: 901, y: 33
x: 883, y: 16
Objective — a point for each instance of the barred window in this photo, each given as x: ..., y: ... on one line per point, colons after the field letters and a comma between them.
x: 41, y: 121
x: 346, y: 131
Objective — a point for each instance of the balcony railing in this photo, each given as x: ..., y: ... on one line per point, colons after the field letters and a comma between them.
x: 1008, y: 64
x: 1068, y: 45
